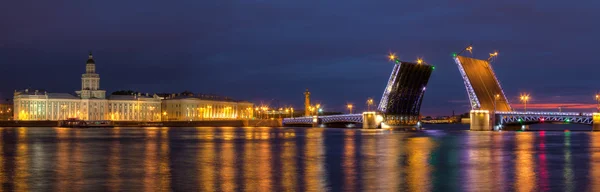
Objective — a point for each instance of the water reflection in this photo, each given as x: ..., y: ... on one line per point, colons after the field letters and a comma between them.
x: 543, y: 162
x: 314, y: 173
x: 63, y: 154
x: 349, y: 161
x: 480, y: 158
x: 206, y: 158
x: 22, y: 161
x: 524, y: 173
x: 285, y: 159
x: 289, y: 164
x: 418, y: 167
x: 568, y: 173
x: 498, y: 174
x: 594, y: 161
x: 114, y: 162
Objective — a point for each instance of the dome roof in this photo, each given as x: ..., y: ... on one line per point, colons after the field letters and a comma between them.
x: 90, y: 59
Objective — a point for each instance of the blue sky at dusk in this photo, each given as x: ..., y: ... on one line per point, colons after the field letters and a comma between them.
x: 270, y: 51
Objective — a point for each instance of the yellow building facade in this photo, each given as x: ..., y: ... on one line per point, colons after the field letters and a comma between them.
x: 89, y: 103
x: 189, y: 108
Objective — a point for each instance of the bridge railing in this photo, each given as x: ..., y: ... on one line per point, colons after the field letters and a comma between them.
x: 514, y: 117
x: 542, y: 113
x: 298, y: 120
x: 356, y: 118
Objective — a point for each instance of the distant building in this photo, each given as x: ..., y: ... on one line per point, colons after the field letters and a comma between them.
x: 90, y: 103
x: 190, y: 107
x: 6, y: 110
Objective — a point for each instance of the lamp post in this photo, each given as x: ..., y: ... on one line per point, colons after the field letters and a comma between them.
x: 369, y: 103
x: 292, y: 112
x: 598, y: 102
x: 317, y: 109
x: 350, y: 106
x: 280, y: 110
x: 496, y: 97
x: 524, y: 99
x: 287, y: 111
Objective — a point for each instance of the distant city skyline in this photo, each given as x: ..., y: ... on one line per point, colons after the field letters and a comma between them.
x: 272, y: 50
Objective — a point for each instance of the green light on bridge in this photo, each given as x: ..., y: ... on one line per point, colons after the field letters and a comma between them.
x: 432, y: 67
x: 568, y: 120
x: 454, y: 55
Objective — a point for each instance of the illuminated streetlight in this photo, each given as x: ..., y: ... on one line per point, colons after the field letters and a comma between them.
x: 350, y: 106
x: 292, y: 112
x: 493, y: 55
x: 280, y: 109
x: 598, y: 102
x: 496, y: 97
x: 419, y: 61
x: 524, y: 98
x: 392, y: 57
x: 317, y: 108
x: 369, y: 103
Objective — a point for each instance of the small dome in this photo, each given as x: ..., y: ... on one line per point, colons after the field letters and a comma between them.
x: 90, y: 59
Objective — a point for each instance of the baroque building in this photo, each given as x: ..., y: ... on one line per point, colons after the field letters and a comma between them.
x: 89, y: 103
x: 199, y: 107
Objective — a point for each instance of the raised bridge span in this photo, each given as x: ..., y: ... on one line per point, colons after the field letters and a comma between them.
x: 399, y: 106
x: 490, y: 108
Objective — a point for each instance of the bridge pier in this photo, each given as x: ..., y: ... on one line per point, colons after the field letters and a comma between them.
x: 480, y: 120
x: 596, y: 122
x: 315, y: 121
x: 371, y: 120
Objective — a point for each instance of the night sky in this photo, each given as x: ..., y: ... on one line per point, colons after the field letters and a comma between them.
x: 270, y: 51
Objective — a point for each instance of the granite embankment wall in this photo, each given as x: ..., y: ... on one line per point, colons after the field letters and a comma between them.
x: 28, y: 123
x: 213, y: 123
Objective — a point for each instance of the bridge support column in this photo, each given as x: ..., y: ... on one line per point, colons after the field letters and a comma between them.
x: 596, y: 122
x: 371, y: 120
x: 480, y: 120
x: 315, y: 121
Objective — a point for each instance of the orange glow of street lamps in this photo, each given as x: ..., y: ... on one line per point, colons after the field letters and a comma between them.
x: 392, y: 56
x: 598, y: 102
x: 419, y: 61
x: 350, y: 106
x: 524, y: 98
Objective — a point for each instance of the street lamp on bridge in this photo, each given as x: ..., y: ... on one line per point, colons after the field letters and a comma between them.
x: 598, y: 102
x: 369, y: 103
x: 350, y: 106
x: 524, y: 99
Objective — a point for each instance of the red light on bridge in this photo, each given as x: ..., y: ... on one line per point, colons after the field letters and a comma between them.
x: 542, y: 119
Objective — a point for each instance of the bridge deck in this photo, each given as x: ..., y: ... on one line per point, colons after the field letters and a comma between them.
x: 484, y: 83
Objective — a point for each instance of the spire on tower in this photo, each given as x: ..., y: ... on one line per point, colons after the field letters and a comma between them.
x: 90, y: 59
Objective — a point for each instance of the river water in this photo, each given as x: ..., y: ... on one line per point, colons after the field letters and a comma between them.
x: 447, y: 158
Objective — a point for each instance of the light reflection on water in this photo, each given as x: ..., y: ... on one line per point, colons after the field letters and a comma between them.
x: 296, y: 159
